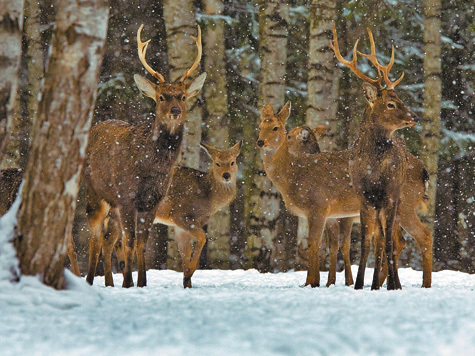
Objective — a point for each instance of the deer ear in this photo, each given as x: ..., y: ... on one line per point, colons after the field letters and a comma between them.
x: 284, y: 113
x: 211, y: 151
x: 267, y: 111
x: 237, y: 148
x: 145, y: 86
x: 319, y: 130
x: 195, y: 86
x: 370, y: 93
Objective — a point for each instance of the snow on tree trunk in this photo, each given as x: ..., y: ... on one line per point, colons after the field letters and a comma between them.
x: 216, y: 100
x: 180, y: 24
x: 432, y: 101
x: 265, y: 239
x: 60, y: 136
x: 11, y: 24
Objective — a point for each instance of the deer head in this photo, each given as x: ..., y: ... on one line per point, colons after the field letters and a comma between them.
x: 170, y: 98
x: 272, y: 127
x: 385, y: 107
x: 224, y: 167
x: 303, y: 140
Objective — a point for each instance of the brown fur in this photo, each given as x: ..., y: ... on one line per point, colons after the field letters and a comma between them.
x: 128, y: 169
x: 318, y: 187
x: 339, y: 230
x: 192, y: 199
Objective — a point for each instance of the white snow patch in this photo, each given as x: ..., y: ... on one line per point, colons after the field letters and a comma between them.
x: 239, y: 313
x: 8, y: 261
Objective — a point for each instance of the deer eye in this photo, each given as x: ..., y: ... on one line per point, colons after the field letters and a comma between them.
x: 275, y: 128
x: 162, y: 98
x: 391, y: 106
x: 288, y: 137
x: 232, y: 163
x: 218, y: 164
x: 183, y: 98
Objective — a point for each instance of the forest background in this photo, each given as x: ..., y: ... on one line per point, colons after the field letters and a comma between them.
x: 259, y: 52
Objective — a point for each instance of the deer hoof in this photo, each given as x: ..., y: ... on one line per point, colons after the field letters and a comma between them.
x: 186, y: 282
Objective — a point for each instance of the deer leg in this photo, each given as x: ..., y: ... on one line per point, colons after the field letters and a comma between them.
x: 200, y: 237
x: 73, y: 257
x: 378, y: 254
x: 95, y: 216
x: 345, y: 233
x: 413, y: 226
x: 399, y: 244
x: 110, y: 238
x: 183, y: 239
x: 128, y: 220
x: 316, y: 223
x: 393, y: 278
x: 144, y: 224
x: 332, y: 227
x: 368, y: 217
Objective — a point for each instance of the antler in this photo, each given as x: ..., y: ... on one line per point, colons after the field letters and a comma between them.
x: 385, y: 69
x: 142, y: 49
x: 352, y: 64
x: 198, y: 56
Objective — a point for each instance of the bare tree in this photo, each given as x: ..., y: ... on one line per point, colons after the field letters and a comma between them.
x: 432, y: 101
x: 216, y: 100
x: 11, y: 25
x: 60, y: 136
x: 180, y: 25
x: 265, y: 232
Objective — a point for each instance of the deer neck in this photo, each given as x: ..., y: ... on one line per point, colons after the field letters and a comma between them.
x: 373, y: 135
x: 276, y: 165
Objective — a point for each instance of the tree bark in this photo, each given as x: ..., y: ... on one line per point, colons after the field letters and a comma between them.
x: 217, y: 132
x: 322, y: 87
x: 180, y: 25
x: 11, y: 25
x: 60, y: 136
x: 265, y: 240
x: 16, y: 153
x: 432, y: 101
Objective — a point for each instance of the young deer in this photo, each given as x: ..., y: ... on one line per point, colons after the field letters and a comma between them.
x: 128, y: 167
x: 318, y: 187
x: 378, y: 161
x: 10, y: 181
x: 193, y: 198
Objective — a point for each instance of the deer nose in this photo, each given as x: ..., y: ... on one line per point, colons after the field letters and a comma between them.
x: 175, y: 111
x: 415, y: 119
x: 260, y: 143
x: 226, y: 175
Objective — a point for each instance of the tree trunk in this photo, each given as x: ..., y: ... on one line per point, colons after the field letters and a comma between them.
x: 216, y: 100
x: 322, y: 86
x: 16, y: 154
x: 180, y: 24
x: 60, y: 136
x: 432, y: 101
x: 11, y: 25
x: 265, y: 241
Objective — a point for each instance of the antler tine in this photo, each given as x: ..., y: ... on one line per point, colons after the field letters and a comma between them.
x: 198, y: 56
x: 384, y: 69
x: 352, y: 65
x: 142, y: 50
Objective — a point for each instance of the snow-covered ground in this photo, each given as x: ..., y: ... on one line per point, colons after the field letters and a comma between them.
x: 239, y: 313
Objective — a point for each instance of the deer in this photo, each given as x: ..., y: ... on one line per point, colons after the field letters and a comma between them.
x: 128, y: 166
x: 378, y: 161
x: 303, y: 140
x: 318, y: 187
x: 192, y: 199
x: 10, y: 181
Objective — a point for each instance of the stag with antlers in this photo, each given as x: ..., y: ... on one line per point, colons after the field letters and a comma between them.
x: 378, y: 160
x: 128, y: 167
